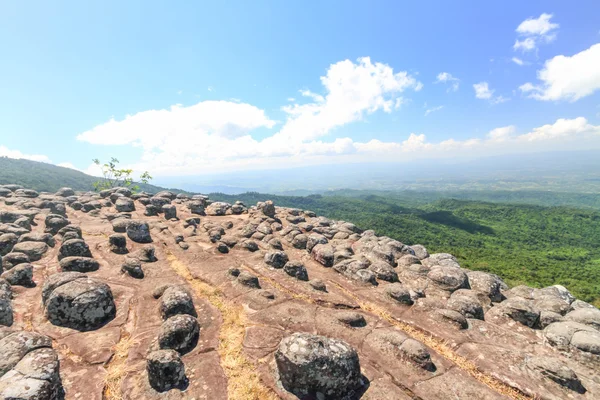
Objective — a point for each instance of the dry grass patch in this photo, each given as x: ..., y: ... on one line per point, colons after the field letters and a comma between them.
x: 242, y: 380
x: 441, y: 348
x: 117, y: 369
x: 86, y: 233
x: 28, y: 322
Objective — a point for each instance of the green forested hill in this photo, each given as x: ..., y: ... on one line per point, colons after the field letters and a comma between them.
x: 48, y: 177
x: 520, y: 196
x: 525, y: 244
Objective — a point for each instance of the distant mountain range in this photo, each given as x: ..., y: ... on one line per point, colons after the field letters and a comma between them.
x: 572, y: 172
x: 575, y: 171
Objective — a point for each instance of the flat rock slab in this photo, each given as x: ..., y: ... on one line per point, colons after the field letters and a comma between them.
x: 351, y: 306
x: 93, y: 347
x: 458, y: 384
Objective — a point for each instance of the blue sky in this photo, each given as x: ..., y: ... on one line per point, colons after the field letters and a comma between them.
x: 238, y: 85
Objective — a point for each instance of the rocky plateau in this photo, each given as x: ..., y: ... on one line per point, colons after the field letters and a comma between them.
x: 121, y: 295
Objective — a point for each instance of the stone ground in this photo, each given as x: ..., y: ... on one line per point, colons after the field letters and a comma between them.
x: 420, y: 343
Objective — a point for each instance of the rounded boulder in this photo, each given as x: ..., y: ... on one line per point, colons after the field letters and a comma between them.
x: 79, y: 264
x: 34, y: 250
x: 139, y: 232
x: 448, y: 278
x: 82, y: 303
x: 179, y: 332
x: 312, y: 365
x: 276, y: 259
x: 174, y: 301
x: 165, y: 370
x: 74, y: 248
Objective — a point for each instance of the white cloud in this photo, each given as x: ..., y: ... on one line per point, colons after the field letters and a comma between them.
x: 567, y: 78
x: 6, y: 152
x: 535, y: 31
x: 400, y: 101
x: 537, y: 26
x: 244, y: 153
x: 316, y: 97
x: 217, y: 136
x: 483, y: 91
x: 92, y: 169
x: 564, y: 134
x: 562, y: 128
x: 524, y: 45
x: 433, y: 109
x: 66, y: 165
x: 499, y: 99
x: 501, y: 134
x: 446, y: 77
x: 527, y: 87
x: 179, y: 125
x: 351, y: 91
x: 518, y: 61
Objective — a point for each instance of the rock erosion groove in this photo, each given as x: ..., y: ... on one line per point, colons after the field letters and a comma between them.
x: 225, y: 299
x: 444, y: 350
x: 243, y: 382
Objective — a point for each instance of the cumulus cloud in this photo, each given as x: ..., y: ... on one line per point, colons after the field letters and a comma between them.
x: 6, y: 152
x: 534, y: 31
x: 483, y: 91
x: 446, y: 77
x: 563, y: 134
x: 154, y: 128
x: 524, y: 45
x: 537, y: 26
x: 242, y: 153
x: 351, y: 91
x: 562, y: 128
x: 501, y: 134
x: 217, y: 136
x: 567, y: 78
x: 218, y: 133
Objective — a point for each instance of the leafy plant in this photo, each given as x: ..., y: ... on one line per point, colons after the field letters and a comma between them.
x: 112, y: 176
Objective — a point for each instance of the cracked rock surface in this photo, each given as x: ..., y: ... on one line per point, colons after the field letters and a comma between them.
x: 30, y: 368
x: 317, y: 308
